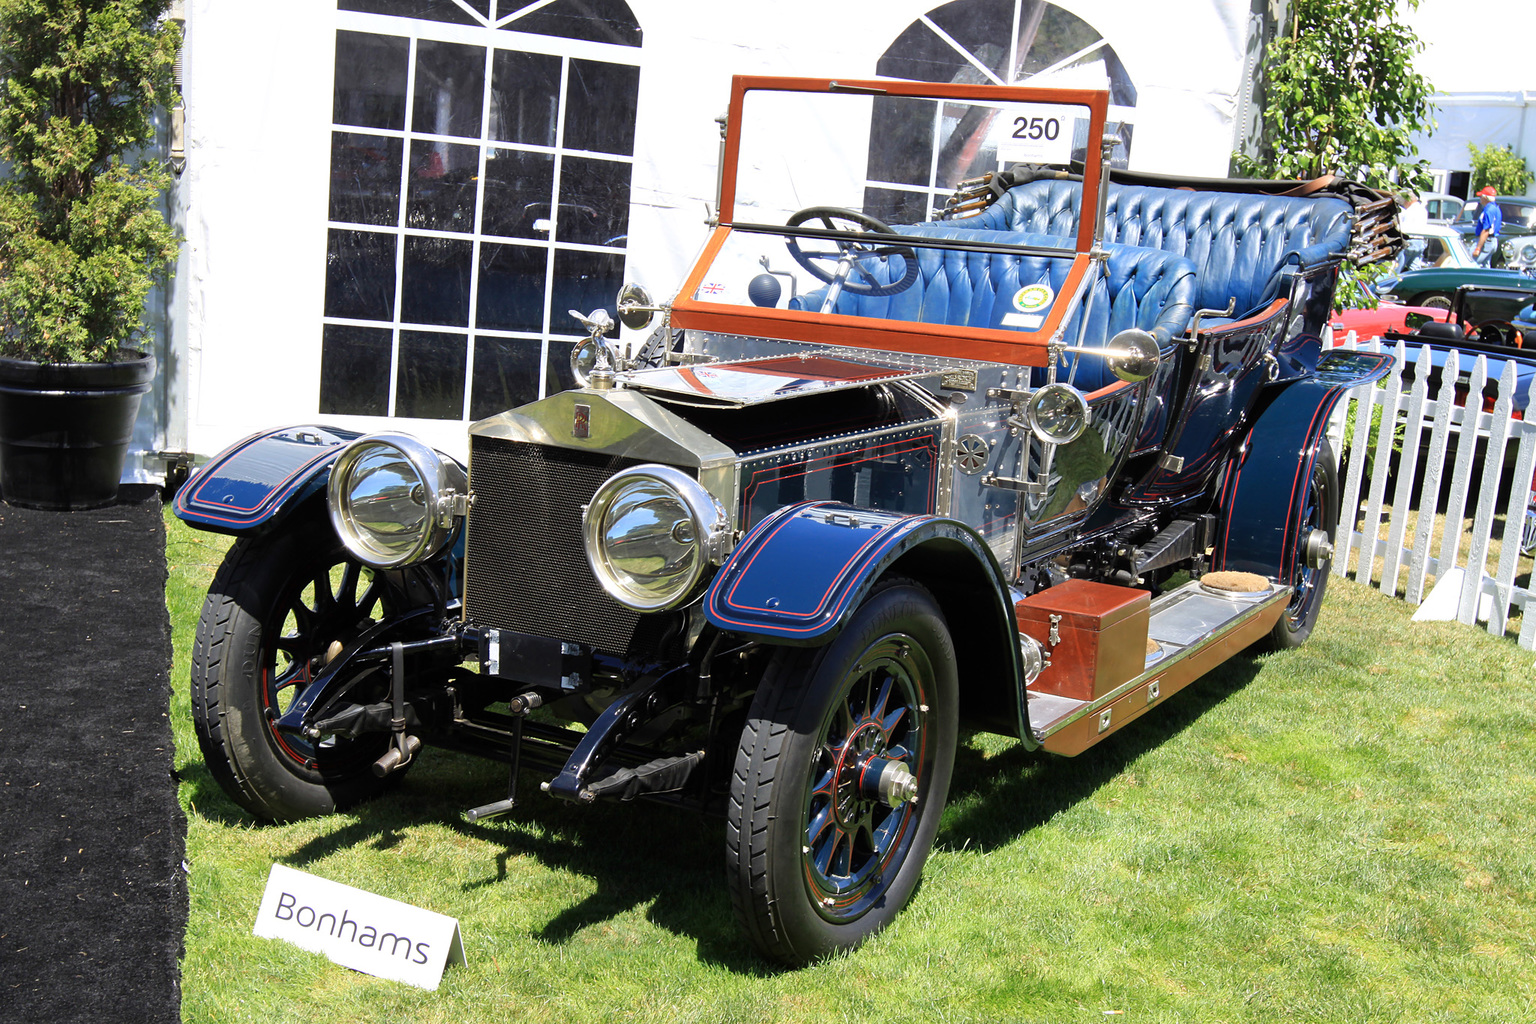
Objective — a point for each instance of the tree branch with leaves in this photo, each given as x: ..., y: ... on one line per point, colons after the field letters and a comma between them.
x: 1342, y: 96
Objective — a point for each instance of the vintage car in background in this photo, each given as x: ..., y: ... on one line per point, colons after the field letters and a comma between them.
x: 1029, y: 467
x: 1481, y: 321
x: 1440, y: 208
x: 1436, y: 286
x: 1520, y: 253
x: 1519, y: 224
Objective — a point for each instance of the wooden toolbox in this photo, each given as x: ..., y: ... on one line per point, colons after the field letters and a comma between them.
x: 1094, y: 635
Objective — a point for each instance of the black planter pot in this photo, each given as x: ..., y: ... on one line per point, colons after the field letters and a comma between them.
x: 65, y: 428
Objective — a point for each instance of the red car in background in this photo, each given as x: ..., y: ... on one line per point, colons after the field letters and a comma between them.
x: 1374, y: 323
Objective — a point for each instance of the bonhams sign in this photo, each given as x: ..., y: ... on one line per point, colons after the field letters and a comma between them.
x: 357, y: 929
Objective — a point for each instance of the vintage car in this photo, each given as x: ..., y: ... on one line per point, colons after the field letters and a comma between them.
x: 1519, y: 224
x: 1030, y: 467
x: 1481, y: 322
x: 1436, y: 286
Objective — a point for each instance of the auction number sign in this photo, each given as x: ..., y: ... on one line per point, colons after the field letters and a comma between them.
x: 1038, y: 133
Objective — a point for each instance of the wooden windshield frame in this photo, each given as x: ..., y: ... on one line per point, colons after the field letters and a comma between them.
x: 1014, y: 347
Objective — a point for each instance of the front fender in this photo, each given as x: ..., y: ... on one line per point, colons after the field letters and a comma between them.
x: 1266, y: 480
x: 261, y: 478
x: 798, y: 576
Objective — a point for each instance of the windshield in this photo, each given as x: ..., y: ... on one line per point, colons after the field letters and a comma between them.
x: 1423, y: 251
x: 839, y: 201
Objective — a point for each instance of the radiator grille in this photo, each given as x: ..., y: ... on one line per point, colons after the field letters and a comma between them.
x: 525, y: 567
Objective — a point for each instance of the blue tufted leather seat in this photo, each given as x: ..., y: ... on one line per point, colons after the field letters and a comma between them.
x: 1144, y: 288
x: 1241, y: 244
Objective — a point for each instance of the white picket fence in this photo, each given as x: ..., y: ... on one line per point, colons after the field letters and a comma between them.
x: 1374, y: 525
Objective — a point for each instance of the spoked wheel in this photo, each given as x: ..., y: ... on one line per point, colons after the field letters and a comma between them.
x: 1313, y: 555
x: 841, y: 777
x: 279, y: 608
x: 1436, y: 300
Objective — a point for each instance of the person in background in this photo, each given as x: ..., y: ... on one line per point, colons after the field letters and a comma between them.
x: 1490, y: 221
x: 1411, y: 213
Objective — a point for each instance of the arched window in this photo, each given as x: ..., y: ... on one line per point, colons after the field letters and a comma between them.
x: 481, y: 154
x: 1004, y: 42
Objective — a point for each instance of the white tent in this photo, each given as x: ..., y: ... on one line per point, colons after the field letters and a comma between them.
x: 363, y: 244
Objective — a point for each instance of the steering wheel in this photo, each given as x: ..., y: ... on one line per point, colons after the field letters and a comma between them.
x: 1496, y: 332
x: 851, y: 254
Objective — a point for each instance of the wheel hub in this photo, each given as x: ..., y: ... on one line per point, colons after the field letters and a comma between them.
x: 1319, y: 549
x: 849, y: 800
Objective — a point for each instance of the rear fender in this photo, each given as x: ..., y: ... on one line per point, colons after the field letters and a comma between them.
x: 1265, y: 485
x: 799, y: 575
x: 259, y: 480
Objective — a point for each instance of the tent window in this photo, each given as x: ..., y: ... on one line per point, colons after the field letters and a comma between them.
x: 480, y: 188
x: 1006, y: 42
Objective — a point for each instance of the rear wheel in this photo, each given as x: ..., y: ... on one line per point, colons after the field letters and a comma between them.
x: 1313, y: 555
x: 841, y: 777
x: 276, y: 611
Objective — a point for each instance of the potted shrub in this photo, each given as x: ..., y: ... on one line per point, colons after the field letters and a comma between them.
x: 82, y: 238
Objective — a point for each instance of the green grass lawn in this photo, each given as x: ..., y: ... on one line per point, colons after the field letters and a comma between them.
x: 1337, y: 833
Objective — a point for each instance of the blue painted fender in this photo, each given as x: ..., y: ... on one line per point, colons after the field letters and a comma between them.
x: 799, y: 575
x: 1266, y: 482
x: 255, y: 481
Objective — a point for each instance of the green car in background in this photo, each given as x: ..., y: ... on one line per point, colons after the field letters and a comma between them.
x: 1434, y: 262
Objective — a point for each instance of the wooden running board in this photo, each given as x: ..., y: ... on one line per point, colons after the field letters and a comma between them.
x: 1198, y: 629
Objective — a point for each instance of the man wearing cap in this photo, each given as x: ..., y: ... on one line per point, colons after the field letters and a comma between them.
x: 1490, y: 220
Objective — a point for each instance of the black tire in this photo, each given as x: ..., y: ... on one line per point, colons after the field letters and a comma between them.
x: 273, y: 610
x: 1320, y: 511
x: 816, y: 864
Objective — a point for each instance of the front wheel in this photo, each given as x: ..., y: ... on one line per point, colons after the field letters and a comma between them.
x: 1312, y: 558
x: 841, y: 777
x: 276, y: 611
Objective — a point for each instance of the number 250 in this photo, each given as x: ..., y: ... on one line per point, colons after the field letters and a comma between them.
x: 1036, y: 128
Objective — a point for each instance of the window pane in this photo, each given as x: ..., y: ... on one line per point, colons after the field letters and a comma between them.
x: 594, y: 202
x: 442, y: 196
x: 354, y: 371
x: 365, y: 178
x: 600, y: 107
x: 518, y: 187
x: 450, y: 89
x: 557, y: 375
x: 430, y: 381
x: 602, y: 21
x: 429, y: 10
x: 360, y: 275
x: 903, y: 151
x: 584, y: 281
x: 525, y: 97
x: 370, y: 80
x: 895, y: 206
x: 506, y: 375
x: 435, y: 285
x: 511, y: 291
x: 983, y: 28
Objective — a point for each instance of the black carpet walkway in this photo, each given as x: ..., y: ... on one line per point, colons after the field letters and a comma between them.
x: 93, y: 901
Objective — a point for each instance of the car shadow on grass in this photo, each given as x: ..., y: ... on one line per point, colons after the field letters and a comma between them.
x: 670, y: 861
x: 994, y: 800
x: 666, y: 860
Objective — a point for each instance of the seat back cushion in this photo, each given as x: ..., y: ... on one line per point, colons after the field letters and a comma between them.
x: 1240, y: 243
x: 1145, y: 288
